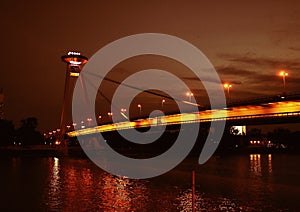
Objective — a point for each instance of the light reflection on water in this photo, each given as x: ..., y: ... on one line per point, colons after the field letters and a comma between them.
x: 255, y: 164
x: 54, y: 184
x: 231, y: 183
x: 73, y: 187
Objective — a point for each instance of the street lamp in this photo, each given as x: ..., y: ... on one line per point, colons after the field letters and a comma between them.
x: 283, y: 74
x: 110, y: 115
x: 162, y: 104
x: 140, y: 107
x: 89, y: 120
x: 123, y: 111
x: 99, y: 118
x: 189, y: 94
x: 227, y: 87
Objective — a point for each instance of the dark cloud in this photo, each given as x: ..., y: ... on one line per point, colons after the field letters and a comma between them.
x: 235, y: 75
x: 294, y: 48
x: 232, y: 70
x: 253, y: 83
x: 206, y: 79
x: 263, y: 61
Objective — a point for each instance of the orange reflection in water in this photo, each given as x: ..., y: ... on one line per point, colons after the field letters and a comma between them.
x: 116, y: 188
x: 270, y: 169
x: 78, y: 186
x: 123, y: 194
x: 55, y: 183
x: 255, y: 164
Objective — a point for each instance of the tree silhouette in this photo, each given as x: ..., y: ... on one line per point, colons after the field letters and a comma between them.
x: 27, y: 133
x: 279, y: 135
x: 6, y: 132
x: 255, y: 133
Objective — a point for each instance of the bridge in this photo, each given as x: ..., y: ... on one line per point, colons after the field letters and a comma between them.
x: 267, y: 110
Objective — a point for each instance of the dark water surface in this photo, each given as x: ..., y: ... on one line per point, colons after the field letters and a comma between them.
x: 229, y: 183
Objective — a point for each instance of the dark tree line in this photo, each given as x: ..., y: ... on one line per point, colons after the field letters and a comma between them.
x: 25, y: 135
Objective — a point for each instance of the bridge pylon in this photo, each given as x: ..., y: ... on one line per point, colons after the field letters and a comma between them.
x: 75, y: 62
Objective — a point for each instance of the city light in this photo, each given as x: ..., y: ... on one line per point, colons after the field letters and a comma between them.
x: 73, y: 53
x: 227, y: 86
x: 189, y: 94
x: 162, y: 104
x: 283, y: 74
x: 140, y: 108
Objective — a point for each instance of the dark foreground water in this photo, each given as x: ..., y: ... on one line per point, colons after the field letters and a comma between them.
x: 229, y: 183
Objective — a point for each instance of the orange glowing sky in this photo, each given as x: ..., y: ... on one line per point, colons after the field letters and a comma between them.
x: 248, y: 42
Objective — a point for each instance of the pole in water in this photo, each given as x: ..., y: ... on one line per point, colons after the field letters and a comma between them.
x: 193, y: 191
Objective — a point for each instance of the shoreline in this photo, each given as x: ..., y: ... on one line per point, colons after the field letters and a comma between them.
x: 76, y: 151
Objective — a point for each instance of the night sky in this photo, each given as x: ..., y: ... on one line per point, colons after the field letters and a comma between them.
x: 248, y: 42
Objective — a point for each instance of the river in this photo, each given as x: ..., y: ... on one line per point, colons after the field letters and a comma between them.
x: 254, y: 182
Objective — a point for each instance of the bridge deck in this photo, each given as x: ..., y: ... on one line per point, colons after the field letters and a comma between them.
x: 275, y: 110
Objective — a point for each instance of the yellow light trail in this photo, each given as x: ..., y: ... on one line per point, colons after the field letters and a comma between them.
x: 202, y: 116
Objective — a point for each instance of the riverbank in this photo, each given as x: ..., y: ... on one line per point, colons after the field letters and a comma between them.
x: 38, y: 150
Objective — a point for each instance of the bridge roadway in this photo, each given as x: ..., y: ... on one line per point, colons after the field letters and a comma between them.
x: 277, y: 110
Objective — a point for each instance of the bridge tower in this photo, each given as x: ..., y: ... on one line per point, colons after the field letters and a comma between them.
x: 75, y: 62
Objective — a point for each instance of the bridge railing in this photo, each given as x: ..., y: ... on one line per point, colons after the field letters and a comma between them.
x: 269, y: 115
x: 177, y: 120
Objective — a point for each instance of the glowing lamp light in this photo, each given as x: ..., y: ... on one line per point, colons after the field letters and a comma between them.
x: 75, y: 62
x: 189, y: 94
x: 283, y: 73
x: 74, y: 58
x: 74, y: 74
x: 73, y: 53
x: 226, y: 85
